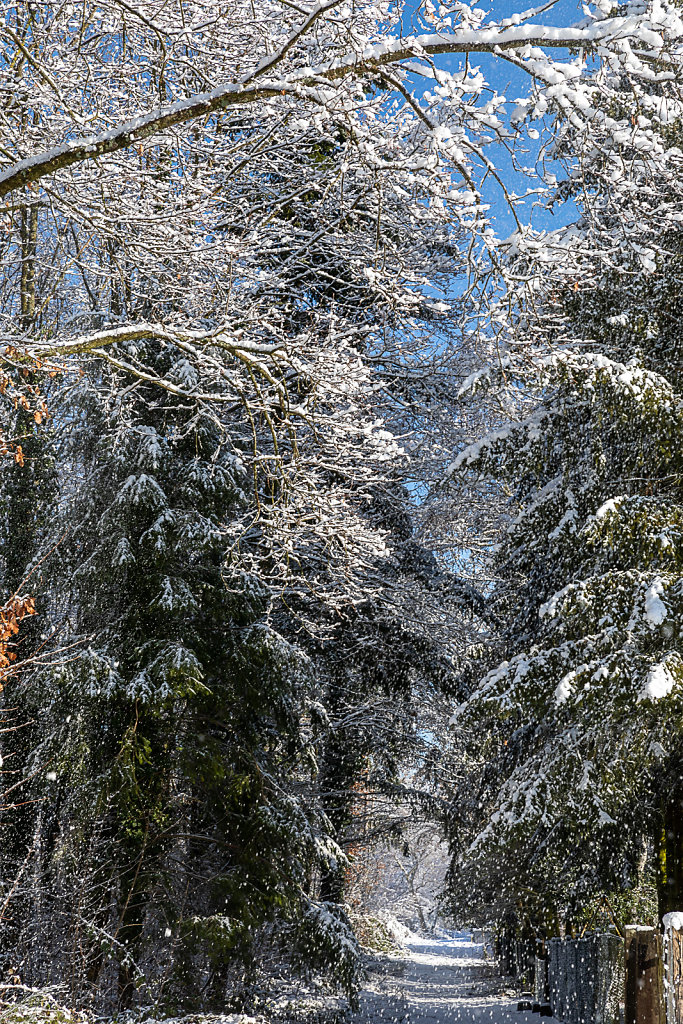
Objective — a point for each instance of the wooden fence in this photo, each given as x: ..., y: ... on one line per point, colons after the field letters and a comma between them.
x: 604, y: 979
x: 586, y: 979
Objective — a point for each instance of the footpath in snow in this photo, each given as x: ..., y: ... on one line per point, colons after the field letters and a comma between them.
x: 440, y: 981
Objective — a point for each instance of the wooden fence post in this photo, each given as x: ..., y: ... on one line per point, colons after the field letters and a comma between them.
x: 673, y: 939
x: 644, y: 976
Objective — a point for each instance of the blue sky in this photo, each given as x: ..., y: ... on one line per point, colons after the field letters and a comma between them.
x: 508, y: 80
x: 512, y: 83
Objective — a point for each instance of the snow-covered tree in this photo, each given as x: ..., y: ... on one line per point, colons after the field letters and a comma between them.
x: 174, y: 736
x: 223, y: 160
x: 254, y: 221
x: 580, y: 784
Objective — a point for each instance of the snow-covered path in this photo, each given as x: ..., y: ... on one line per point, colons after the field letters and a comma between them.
x: 442, y: 981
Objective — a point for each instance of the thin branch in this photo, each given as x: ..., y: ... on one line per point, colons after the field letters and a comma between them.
x: 231, y: 94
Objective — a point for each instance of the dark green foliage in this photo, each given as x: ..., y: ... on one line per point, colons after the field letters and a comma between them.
x: 580, y: 766
x: 168, y: 830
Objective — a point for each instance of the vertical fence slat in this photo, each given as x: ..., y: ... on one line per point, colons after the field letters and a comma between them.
x: 553, y: 974
x: 541, y: 979
x: 610, y: 978
x: 677, y: 976
x: 673, y: 967
x: 645, y: 1002
x: 564, y: 979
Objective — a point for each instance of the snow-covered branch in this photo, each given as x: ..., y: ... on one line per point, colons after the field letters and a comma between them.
x: 133, y: 332
x: 524, y: 39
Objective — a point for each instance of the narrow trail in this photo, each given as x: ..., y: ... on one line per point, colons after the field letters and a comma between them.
x: 441, y: 981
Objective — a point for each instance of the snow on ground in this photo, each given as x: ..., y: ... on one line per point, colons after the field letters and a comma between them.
x: 440, y: 981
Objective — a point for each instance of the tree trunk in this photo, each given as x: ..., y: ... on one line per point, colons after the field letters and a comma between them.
x: 29, y: 246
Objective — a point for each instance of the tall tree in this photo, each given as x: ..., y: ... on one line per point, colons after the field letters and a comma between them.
x: 172, y: 739
x: 584, y: 795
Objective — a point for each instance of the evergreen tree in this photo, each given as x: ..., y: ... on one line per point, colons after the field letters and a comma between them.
x: 383, y: 640
x: 173, y: 737
x: 580, y: 787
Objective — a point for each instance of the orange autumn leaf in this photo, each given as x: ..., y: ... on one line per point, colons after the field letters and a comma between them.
x: 11, y: 614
